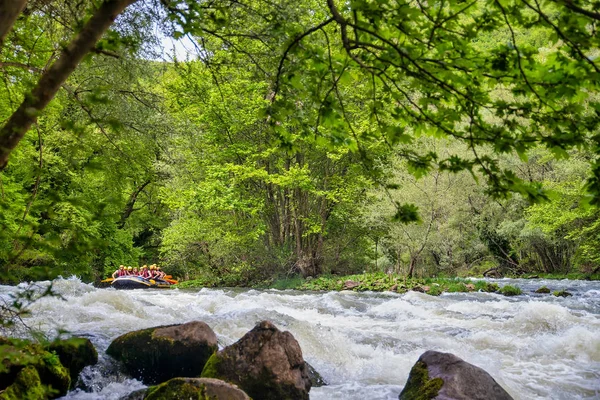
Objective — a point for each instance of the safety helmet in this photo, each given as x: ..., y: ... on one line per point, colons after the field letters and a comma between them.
x: 129, y: 268
x: 158, y: 268
x: 121, y: 266
x: 152, y: 267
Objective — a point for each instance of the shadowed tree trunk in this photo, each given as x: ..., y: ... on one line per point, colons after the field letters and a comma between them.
x: 9, y: 11
x: 51, y: 81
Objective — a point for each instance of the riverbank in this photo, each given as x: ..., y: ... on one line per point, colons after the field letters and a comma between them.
x: 381, y: 282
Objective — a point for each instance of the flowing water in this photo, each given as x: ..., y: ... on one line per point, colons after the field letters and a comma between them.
x: 363, y: 344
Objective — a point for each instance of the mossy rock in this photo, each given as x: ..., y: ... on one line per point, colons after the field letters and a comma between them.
x: 419, y: 386
x: 562, y: 293
x: 195, y: 388
x: 509, y: 290
x: 26, y: 385
x: 158, y: 354
x: 487, y: 287
x: 438, y: 375
x: 543, y: 290
x: 21, y: 359
x: 75, y: 354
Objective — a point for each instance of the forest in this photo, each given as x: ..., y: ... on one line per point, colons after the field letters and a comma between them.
x: 241, y: 142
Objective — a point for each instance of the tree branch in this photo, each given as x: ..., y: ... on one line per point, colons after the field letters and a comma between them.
x: 18, y: 124
x: 131, y: 203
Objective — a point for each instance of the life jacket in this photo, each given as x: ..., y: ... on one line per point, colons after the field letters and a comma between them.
x: 122, y: 272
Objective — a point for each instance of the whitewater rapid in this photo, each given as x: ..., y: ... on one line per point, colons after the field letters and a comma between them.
x: 363, y: 344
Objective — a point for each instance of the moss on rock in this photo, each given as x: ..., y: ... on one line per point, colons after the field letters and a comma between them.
x: 27, y: 385
x: 211, y: 368
x: 75, y: 354
x: 195, y: 388
x: 562, y: 293
x: 543, y: 290
x: 419, y: 386
x: 53, y: 373
x: 509, y: 290
x: 29, y: 371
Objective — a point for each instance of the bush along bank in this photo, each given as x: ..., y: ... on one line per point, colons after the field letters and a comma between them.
x: 378, y: 282
x: 267, y: 363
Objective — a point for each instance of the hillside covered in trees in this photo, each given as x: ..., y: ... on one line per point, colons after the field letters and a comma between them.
x: 299, y: 138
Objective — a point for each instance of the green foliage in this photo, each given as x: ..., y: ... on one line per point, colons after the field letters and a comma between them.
x: 287, y: 283
x: 310, y: 142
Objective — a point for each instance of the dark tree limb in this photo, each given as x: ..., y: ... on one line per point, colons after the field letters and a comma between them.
x: 573, y: 7
x: 9, y: 11
x: 292, y: 44
x: 52, y: 79
x: 129, y: 207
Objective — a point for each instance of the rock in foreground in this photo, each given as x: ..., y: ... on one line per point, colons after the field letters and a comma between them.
x: 444, y: 376
x: 195, y: 388
x: 158, y: 354
x: 266, y: 363
x: 30, y: 372
x: 75, y: 354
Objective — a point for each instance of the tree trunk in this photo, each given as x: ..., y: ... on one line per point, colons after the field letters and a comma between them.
x: 50, y: 82
x: 9, y: 11
x: 411, y: 268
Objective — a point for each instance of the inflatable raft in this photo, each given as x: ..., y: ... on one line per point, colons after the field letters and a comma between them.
x: 137, y: 282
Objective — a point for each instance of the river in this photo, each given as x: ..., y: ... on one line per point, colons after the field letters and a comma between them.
x: 364, y: 344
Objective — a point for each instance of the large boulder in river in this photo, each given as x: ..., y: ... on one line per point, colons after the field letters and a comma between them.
x: 75, y: 354
x: 195, y: 388
x: 266, y: 363
x: 443, y: 376
x: 158, y: 354
x: 28, y: 371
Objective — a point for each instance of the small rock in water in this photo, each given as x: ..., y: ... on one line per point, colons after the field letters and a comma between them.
x: 543, y: 290
x: 562, y: 293
x: 266, y: 363
x: 444, y: 376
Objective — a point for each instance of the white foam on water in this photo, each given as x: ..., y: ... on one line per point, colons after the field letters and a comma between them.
x: 363, y: 344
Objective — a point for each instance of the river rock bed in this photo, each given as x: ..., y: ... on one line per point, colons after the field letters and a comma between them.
x: 364, y: 344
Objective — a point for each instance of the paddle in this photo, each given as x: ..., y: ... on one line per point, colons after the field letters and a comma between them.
x: 107, y: 280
